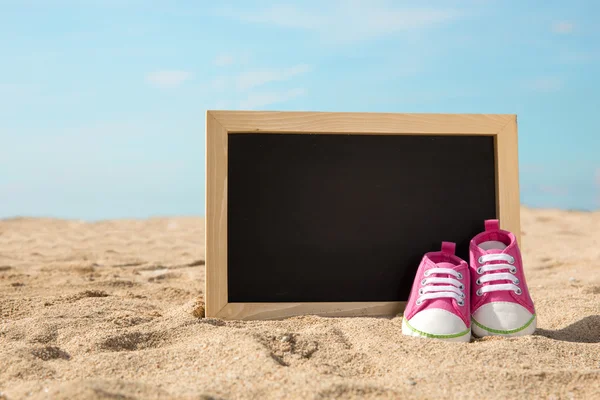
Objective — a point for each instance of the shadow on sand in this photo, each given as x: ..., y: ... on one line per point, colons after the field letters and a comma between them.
x: 586, y: 330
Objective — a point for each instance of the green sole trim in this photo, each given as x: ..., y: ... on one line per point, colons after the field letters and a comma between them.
x: 504, y: 332
x: 429, y: 335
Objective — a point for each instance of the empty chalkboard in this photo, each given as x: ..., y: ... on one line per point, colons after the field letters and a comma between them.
x: 348, y: 218
x: 336, y: 222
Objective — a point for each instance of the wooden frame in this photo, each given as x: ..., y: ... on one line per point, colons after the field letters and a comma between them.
x: 221, y: 123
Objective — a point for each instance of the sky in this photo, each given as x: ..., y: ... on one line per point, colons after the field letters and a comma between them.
x: 103, y: 102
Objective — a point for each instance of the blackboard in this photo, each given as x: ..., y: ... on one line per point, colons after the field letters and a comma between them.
x: 317, y: 220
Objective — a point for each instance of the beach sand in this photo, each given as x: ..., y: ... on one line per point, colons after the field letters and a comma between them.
x: 112, y: 310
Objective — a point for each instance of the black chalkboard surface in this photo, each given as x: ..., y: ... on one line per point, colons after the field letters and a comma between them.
x: 330, y: 213
x: 317, y: 218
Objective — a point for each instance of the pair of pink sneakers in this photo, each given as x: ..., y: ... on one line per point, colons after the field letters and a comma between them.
x: 451, y: 299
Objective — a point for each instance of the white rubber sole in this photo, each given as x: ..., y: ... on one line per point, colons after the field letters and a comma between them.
x: 480, y: 330
x: 458, y: 337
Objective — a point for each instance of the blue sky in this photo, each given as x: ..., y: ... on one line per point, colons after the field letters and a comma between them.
x: 102, y: 102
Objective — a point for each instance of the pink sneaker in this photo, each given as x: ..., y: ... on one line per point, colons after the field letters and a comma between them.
x: 438, y: 305
x: 500, y: 301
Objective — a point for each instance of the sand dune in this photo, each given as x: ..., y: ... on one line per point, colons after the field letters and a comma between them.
x: 110, y: 310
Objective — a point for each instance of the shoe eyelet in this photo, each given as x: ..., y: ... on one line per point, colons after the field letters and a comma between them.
x: 460, y: 276
x: 424, y: 282
x: 478, y: 282
x: 461, y: 303
x: 512, y: 260
x: 518, y: 291
x: 480, y: 260
x: 479, y: 292
x: 513, y: 270
x: 419, y: 302
x: 479, y: 270
x: 461, y: 287
x: 427, y: 273
x: 421, y: 292
x: 462, y: 295
x: 516, y: 281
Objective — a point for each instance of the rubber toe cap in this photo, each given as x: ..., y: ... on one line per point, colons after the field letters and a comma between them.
x: 436, y: 321
x: 502, y: 316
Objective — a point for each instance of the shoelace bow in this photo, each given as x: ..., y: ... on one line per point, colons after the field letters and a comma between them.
x: 453, y: 288
x: 499, y: 276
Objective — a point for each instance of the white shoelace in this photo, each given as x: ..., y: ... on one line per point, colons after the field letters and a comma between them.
x: 500, y: 276
x: 452, y: 288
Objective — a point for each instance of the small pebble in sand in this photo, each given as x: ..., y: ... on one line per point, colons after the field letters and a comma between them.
x: 410, y: 382
x: 285, y: 338
x: 572, y: 280
x: 198, y: 310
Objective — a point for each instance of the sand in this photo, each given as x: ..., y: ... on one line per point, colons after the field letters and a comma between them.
x: 113, y: 310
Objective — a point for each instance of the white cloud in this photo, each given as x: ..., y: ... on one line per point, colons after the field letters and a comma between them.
x: 223, y: 60
x: 563, y: 27
x: 348, y: 21
x: 259, y: 100
x: 248, y: 80
x: 546, y: 84
x: 251, y: 79
x: 168, y: 79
